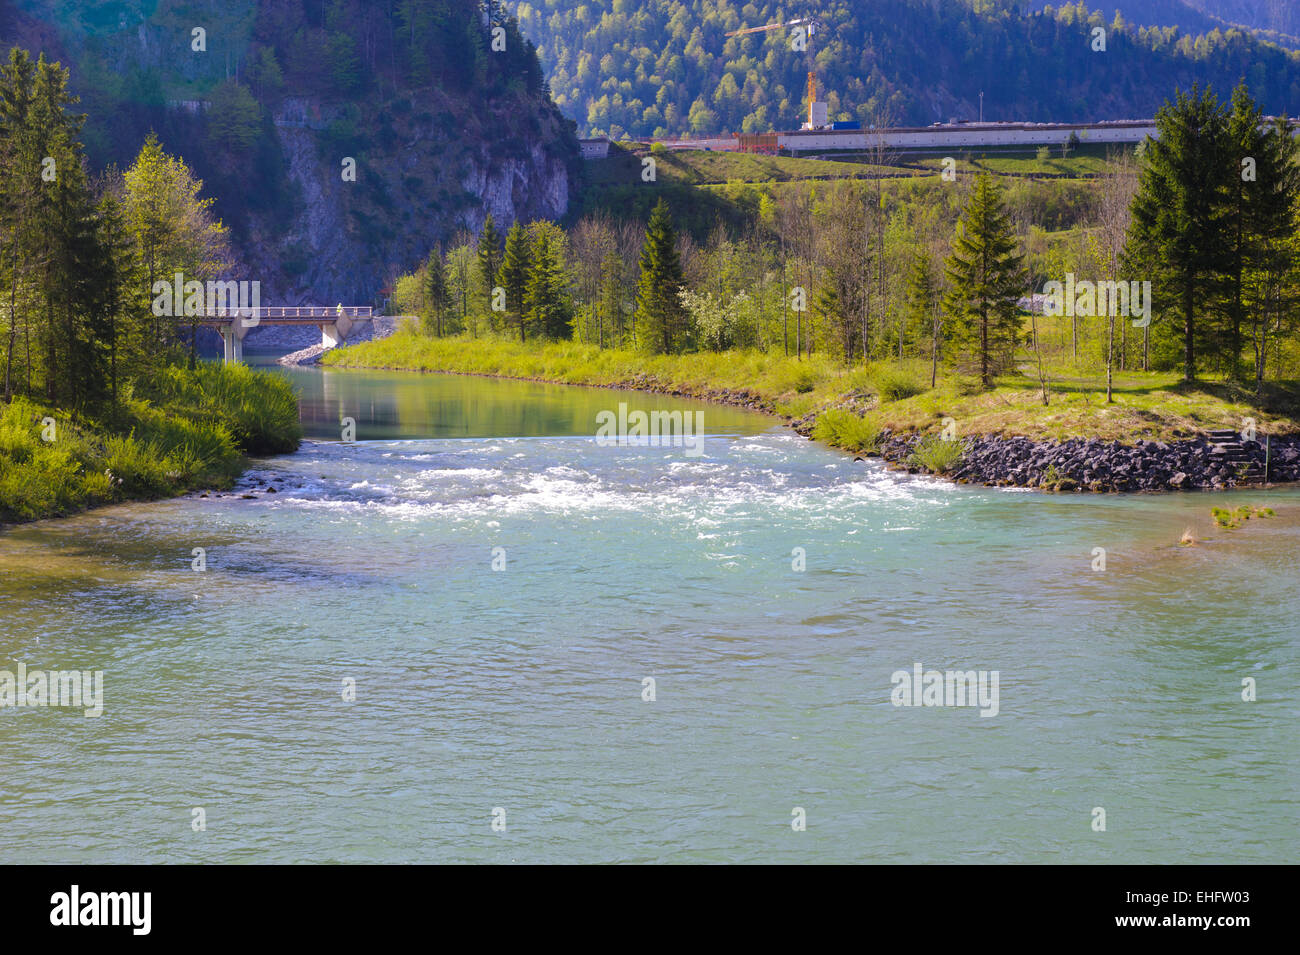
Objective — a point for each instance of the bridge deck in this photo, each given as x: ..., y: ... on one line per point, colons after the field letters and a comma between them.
x: 234, y: 323
x: 284, y: 315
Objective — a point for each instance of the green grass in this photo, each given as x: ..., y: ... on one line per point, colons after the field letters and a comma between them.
x: 1153, y: 406
x: 1231, y: 519
x: 1224, y: 518
x: 175, y: 432
x: 697, y: 167
x: 781, y: 384
x: 895, y: 382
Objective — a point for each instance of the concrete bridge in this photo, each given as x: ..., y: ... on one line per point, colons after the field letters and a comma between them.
x: 234, y: 323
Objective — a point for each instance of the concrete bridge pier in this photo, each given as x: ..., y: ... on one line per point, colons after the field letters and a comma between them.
x: 335, y: 324
x: 333, y: 334
x: 232, y: 338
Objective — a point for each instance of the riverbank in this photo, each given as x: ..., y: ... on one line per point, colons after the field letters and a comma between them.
x: 1154, y: 435
x: 176, y: 432
x: 309, y: 348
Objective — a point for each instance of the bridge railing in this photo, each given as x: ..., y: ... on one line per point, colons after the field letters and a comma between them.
x: 272, y: 312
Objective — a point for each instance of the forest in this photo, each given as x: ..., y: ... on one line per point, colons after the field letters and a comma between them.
x: 272, y: 83
x: 925, y: 269
x: 103, y: 397
x: 663, y: 68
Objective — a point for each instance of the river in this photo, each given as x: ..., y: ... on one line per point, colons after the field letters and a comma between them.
x: 519, y: 695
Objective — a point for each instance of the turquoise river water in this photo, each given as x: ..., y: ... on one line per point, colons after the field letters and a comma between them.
x: 518, y: 695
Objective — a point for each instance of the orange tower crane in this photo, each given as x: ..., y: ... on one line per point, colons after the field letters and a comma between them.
x: 812, y: 26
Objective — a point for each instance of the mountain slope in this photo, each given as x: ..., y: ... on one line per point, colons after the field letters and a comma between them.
x: 270, y: 102
x: 666, y: 67
x: 1280, y: 15
x: 1274, y: 20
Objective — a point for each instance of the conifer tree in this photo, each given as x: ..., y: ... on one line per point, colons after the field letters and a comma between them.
x: 922, y: 308
x: 19, y: 171
x: 489, y: 253
x: 660, y: 318
x: 611, y: 299
x: 987, y: 279
x: 513, y: 277
x: 548, y: 311
x: 1263, y: 198
x: 1178, y: 235
x: 437, y: 294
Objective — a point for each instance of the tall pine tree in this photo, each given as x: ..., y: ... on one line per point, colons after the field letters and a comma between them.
x: 548, y: 306
x: 987, y: 279
x: 923, y: 308
x: 513, y: 277
x: 489, y: 254
x: 660, y: 318
x: 437, y: 295
x: 1178, y: 237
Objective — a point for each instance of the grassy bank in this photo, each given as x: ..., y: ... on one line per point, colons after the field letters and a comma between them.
x: 783, y: 385
x: 178, y: 431
x: 898, y: 396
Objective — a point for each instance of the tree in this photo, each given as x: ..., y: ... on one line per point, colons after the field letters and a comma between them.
x: 489, y: 253
x: 1114, y: 201
x: 923, y: 307
x: 1177, y: 236
x: 461, y: 261
x: 548, y: 302
x: 60, y: 282
x: 19, y: 164
x: 660, y: 318
x: 513, y: 277
x: 172, y: 226
x: 847, y: 252
x: 1275, y: 252
x: 1261, y: 213
x: 234, y: 119
x: 437, y: 296
x: 987, y: 278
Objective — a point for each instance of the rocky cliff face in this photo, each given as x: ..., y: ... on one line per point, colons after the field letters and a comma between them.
x: 533, y: 187
x: 348, y: 237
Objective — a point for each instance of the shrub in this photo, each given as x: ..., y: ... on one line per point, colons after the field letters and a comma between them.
x: 842, y: 429
x: 894, y: 384
x: 802, y: 380
x: 260, y: 409
x: 935, y: 454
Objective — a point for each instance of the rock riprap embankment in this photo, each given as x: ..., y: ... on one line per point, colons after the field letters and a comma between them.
x: 1081, y: 464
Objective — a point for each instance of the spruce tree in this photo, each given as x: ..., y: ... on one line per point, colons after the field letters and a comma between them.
x: 922, y: 308
x: 1246, y: 140
x: 660, y: 318
x: 987, y: 279
x: 1265, y: 190
x: 610, y: 308
x: 1180, y: 230
x: 513, y: 277
x: 19, y: 171
x: 437, y: 295
x: 548, y: 311
x: 489, y: 254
